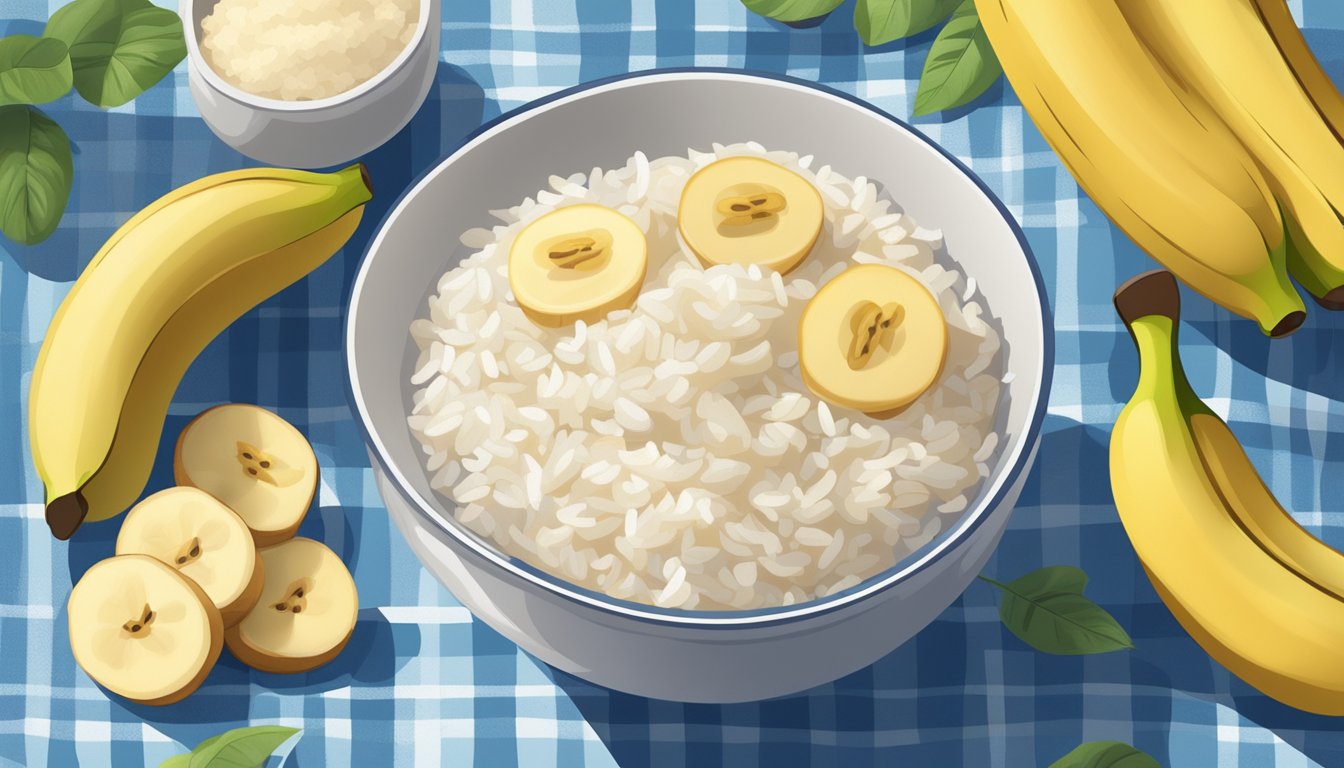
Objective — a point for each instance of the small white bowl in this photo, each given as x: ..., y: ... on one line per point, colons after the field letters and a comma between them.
x: 321, y: 132
x: 701, y: 656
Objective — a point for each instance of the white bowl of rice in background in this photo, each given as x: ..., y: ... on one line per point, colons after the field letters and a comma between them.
x: 656, y: 502
x: 347, y: 83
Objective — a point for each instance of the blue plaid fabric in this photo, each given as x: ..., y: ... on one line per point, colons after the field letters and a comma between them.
x: 421, y: 683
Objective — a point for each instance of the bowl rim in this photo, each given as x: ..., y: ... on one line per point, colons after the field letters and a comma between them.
x: 196, y: 60
x: 935, y: 549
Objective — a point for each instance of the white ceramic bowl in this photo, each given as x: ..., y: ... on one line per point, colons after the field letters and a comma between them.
x: 687, y: 655
x: 322, y: 132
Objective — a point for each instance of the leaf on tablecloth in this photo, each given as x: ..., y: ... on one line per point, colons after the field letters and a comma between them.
x: 1046, y: 610
x: 33, y: 70
x: 792, y: 10
x: 961, y: 64
x: 118, y: 48
x: 1106, y: 754
x: 36, y: 172
x: 241, y: 747
x: 238, y: 748
x: 881, y: 21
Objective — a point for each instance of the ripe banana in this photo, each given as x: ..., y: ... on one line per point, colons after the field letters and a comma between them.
x: 1221, y: 52
x: 1253, y: 504
x: 1278, y: 19
x: 165, y: 284
x: 1255, y: 590
x: 1165, y: 170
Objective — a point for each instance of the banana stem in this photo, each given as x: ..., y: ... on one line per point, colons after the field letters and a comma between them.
x: 354, y: 181
x: 1150, y: 306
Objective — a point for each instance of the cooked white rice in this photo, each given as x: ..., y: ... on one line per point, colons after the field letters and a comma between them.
x: 299, y: 50
x: 671, y: 454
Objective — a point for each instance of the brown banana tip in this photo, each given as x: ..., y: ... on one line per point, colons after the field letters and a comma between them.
x: 1290, y: 322
x: 65, y: 514
x: 1151, y: 293
x: 1332, y: 300
x: 364, y: 176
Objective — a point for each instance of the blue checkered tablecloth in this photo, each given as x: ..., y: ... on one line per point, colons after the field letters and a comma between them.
x: 422, y: 683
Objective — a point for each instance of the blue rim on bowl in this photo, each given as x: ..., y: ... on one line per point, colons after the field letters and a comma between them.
x: 760, y: 617
x: 196, y: 58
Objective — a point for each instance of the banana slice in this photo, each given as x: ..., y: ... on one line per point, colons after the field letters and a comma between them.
x: 306, y: 612
x: 189, y: 529
x: 873, y: 339
x: 142, y: 630
x: 746, y: 210
x: 577, y: 263
x: 255, y: 462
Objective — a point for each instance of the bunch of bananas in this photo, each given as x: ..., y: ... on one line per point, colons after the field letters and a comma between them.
x: 1204, y: 129
x: 165, y: 284
x: 1258, y: 592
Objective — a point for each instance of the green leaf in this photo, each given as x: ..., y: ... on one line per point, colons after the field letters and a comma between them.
x: 241, y: 747
x: 35, y: 174
x: 1106, y: 754
x: 961, y: 64
x: 792, y: 10
x: 881, y: 21
x: 208, y: 742
x: 33, y: 70
x: 119, y: 48
x: 1046, y: 610
x: 184, y: 760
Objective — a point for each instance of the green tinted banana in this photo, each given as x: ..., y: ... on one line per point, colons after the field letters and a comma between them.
x: 1222, y: 53
x: 1232, y: 574
x: 165, y: 284
x: 1166, y: 171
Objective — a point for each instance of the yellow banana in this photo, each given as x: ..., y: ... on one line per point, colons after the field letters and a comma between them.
x: 1261, y: 619
x: 1166, y: 171
x: 1278, y: 19
x: 165, y: 284
x: 1255, y: 508
x: 1220, y: 51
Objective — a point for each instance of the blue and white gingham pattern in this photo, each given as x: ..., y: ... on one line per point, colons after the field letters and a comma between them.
x: 422, y: 683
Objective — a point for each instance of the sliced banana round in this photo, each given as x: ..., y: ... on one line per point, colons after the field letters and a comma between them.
x: 577, y: 263
x: 748, y: 210
x: 255, y: 462
x: 190, y: 530
x: 873, y: 339
x: 306, y: 613
x: 142, y: 630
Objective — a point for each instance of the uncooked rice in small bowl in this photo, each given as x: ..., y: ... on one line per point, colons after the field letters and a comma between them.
x: 671, y: 454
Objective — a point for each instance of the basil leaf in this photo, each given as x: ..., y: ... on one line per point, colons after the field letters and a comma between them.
x: 961, y: 64
x: 241, y: 747
x: 1106, y: 754
x: 33, y: 70
x: 792, y: 10
x: 881, y: 21
x: 35, y: 174
x: 1046, y: 610
x: 119, y: 48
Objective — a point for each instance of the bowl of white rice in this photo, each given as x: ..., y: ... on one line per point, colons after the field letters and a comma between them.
x: 309, y: 84
x: 656, y: 498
